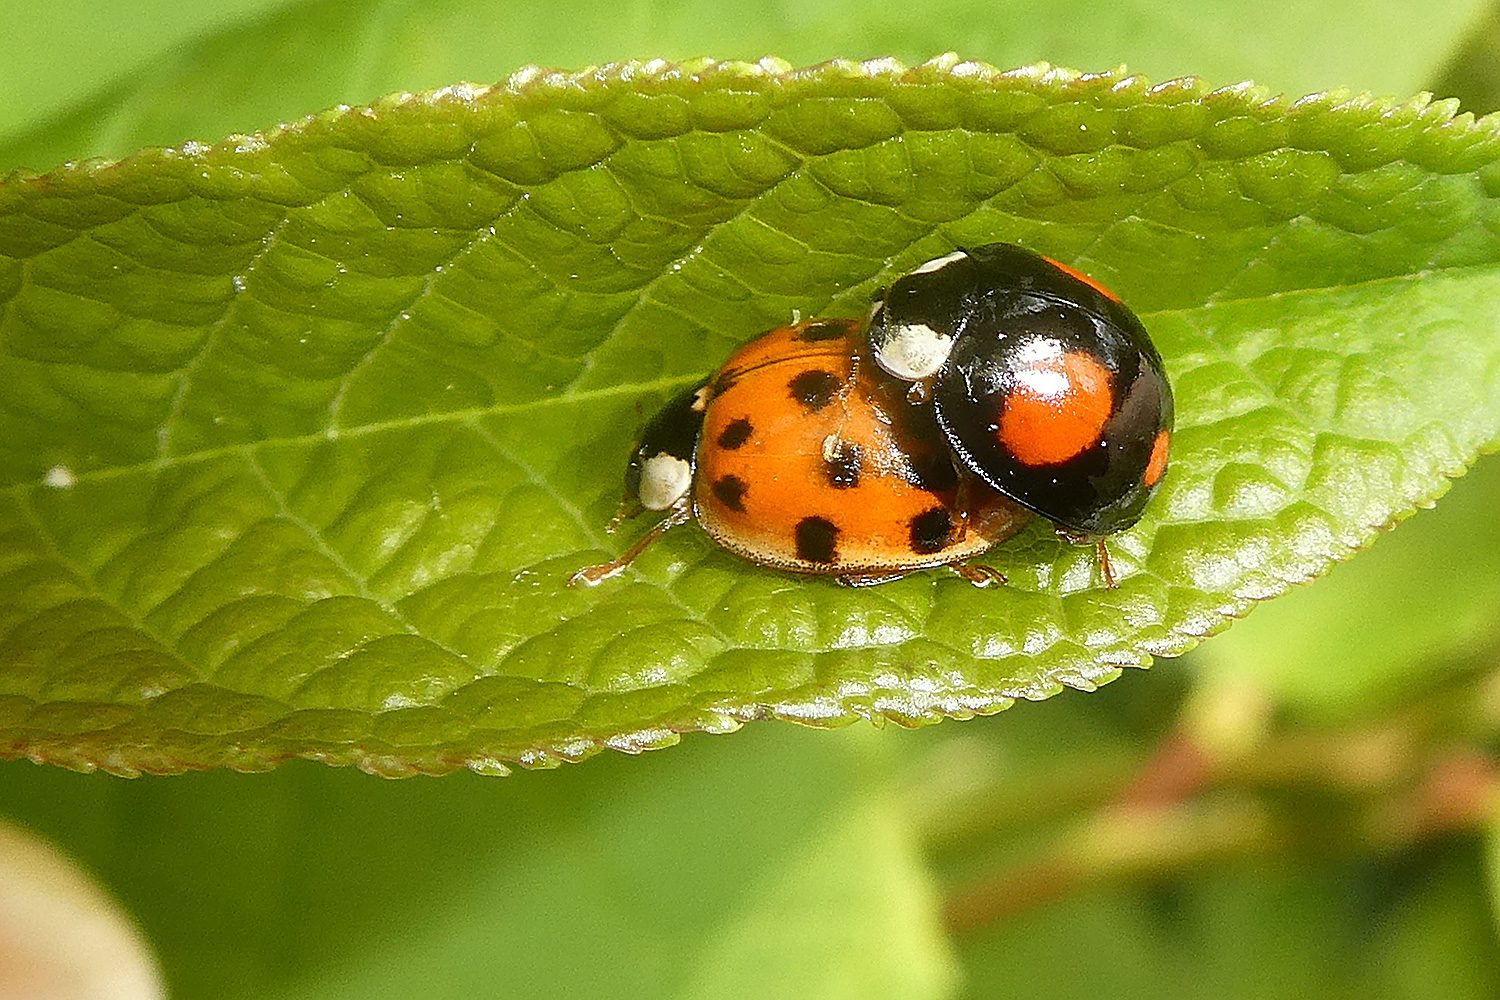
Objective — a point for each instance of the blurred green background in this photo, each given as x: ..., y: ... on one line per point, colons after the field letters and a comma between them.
x: 1302, y: 807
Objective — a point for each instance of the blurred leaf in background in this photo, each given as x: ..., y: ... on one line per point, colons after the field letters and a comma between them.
x: 778, y: 865
x: 157, y: 73
x: 1473, y: 73
x: 1324, y: 817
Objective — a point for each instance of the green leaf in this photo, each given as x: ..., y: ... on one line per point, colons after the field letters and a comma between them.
x: 855, y: 915
x: 1256, y: 931
x: 624, y: 879
x: 103, y: 80
x: 304, y: 433
x: 1473, y: 74
x: 59, y: 55
x: 1422, y: 606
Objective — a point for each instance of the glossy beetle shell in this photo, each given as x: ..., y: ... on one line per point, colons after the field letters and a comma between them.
x: 812, y: 460
x: 1049, y: 389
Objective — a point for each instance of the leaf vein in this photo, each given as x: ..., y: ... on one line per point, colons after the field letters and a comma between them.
x: 361, y: 584
x: 185, y: 374
x: 33, y: 518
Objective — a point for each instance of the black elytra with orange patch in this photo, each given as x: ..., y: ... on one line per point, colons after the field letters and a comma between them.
x: 807, y: 452
x: 1051, y: 391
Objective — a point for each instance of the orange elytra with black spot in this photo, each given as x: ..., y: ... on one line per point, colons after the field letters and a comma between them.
x: 813, y: 462
x: 984, y: 385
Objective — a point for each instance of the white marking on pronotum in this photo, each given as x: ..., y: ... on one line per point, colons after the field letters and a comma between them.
x: 938, y: 263
x: 913, y: 351
x: 665, y: 479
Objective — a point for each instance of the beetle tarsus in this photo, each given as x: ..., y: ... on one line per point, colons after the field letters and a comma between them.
x: 979, y: 576
x: 596, y: 574
x: 1104, y: 566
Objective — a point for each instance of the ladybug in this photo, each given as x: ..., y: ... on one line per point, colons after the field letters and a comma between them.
x: 1043, y: 383
x: 983, y: 387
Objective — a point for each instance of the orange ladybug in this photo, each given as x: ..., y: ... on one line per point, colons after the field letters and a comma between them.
x: 984, y: 386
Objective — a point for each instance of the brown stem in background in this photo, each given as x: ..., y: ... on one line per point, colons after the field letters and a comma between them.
x: 1181, y: 809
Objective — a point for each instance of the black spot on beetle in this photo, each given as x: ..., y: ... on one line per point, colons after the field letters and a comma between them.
x: 814, y: 389
x: 735, y: 433
x: 730, y: 491
x: 817, y: 540
x: 930, y: 530
x: 813, y: 332
x: 843, y: 466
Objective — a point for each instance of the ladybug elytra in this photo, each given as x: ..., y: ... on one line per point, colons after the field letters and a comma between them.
x: 983, y: 387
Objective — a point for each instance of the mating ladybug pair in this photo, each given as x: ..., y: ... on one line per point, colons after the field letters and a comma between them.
x: 983, y: 387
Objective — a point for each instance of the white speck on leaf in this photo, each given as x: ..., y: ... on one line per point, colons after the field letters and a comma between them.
x: 60, y: 477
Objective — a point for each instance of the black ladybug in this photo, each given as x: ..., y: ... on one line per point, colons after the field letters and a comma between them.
x: 1045, y: 385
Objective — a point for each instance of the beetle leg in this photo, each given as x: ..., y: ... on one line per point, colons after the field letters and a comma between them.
x: 978, y: 575
x: 1104, y: 566
x: 1101, y: 552
x: 679, y: 513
